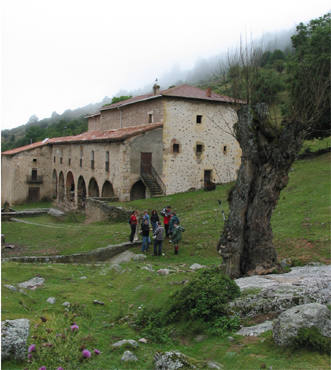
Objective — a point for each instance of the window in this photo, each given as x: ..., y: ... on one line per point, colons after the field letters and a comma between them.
x: 81, y: 156
x: 34, y: 160
x: 225, y: 149
x: 92, y: 159
x: 61, y: 160
x: 199, y: 118
x: 34, y: 174
x: 69, y: 161
x: 54, y: 159
x: 81, y: 162
x: 107, y: 162
x: 175, y: 148
x: 150, y: 118
x: 199, y: 149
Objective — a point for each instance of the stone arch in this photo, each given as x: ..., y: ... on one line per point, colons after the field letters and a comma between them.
x: 70, y: 187
x: 54, y: 184
x: 93, y: 188
x: 107, y: 190
x: 61, y: 186
x: 138, y: 191
x: 81, y: 192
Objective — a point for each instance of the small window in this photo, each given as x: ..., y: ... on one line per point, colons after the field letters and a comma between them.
x: 199, y: 148
x: 107, y: 162
x: 34, y: 160
x: 225, y: 149
x: 92, y: 159
x: 199, y: 119
x: 150, y: 118
x: 54, y: 159
x: 175, y: 148
x: 34, y: 174
x: 69, y: 161
x: 61, y: 160
x: 81, y: 162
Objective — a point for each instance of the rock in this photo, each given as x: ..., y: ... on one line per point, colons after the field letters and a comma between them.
x: 51, y: 300
x: 196, y: 266
x: 139, y: 257
x: 148, y: 268
x: 66, y: 304
x: 3, y: 240
x: 55, y: 212
x: 115, y: 267
x: 83, y: 277
x: 128, y: 356
x: 288, y: 323
x: 142, y: 340
x: 14, y: 335
x: 10, y: 246
x: 163, y: 272
x: 230, y: 339
x: 255, y: 330
x: 171, y: 361
x: 214, y: 365
x: 32, y: 283
x: 98, y: 302
x: 199, y: 338
x: 128, y: 343
x: 10, y: 287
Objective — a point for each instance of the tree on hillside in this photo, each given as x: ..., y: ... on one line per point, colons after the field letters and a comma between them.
x: 270, y: 148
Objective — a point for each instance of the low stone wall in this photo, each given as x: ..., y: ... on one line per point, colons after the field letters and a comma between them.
x: 27, y: 212
x: 97, y: 210
x: 100, y: 254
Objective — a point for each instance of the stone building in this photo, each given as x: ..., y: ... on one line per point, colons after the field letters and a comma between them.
x: 165, y: 142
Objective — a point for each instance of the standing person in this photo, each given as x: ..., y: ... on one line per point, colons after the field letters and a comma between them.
x: 159, y: 236
x: 166, y: 213
x: 145, y: 235
x: 133, y: 224
x: 177, y: 236
x: 145, y: 217
x: 174, y: 220
x: 154, y: 219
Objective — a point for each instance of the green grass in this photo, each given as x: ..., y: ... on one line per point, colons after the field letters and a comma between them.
x: 301, y: 224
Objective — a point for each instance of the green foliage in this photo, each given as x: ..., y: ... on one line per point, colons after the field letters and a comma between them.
x: 117, y: 99
x: 205, y: 297
x: 313, y: 339
x: 224, y: 324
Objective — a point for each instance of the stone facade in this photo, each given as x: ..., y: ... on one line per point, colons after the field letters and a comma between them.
x: 187, y: 141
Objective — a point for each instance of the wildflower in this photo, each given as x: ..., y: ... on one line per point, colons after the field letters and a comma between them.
x: 29, y: 356
x: 43, y: 368
x: 60, y: 368
x: 86, y: 353
x: 97, y: 352
x: 32, y: 348
x: 74, y: 327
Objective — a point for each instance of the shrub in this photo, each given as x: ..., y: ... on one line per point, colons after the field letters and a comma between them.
x: 205, y: 297
x: 224, y: 324
x: 313, y: 339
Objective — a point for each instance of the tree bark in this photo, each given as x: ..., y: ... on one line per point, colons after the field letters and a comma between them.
x: 267, y: 154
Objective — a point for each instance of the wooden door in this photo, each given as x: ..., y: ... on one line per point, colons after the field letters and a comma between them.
x: 207, y: 176
x: 34, y: 194
x: 146, y: 162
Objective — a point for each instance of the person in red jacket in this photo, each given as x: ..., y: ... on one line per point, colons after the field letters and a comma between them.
x: 166, y: 213
x: 133, y: 224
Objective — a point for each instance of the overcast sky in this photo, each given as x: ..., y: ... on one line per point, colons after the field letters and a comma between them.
x: 62, y: 54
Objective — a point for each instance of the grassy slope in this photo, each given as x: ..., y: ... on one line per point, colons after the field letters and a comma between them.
x: 301, y: 231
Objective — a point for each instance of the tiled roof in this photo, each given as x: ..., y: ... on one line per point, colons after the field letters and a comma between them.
x: 90, y: 136
x: 182, y: 91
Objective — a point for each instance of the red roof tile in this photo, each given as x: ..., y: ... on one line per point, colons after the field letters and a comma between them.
x: 91, y: 136
x: 182, y: 91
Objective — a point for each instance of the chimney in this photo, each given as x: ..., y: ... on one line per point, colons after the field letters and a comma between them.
x: 208, y: 92
x: 156, y: 89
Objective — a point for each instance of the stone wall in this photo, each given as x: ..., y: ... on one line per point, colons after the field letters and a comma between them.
x: 16, y: 169
x: 220, y: 154
x: 130, y: 115
x: 97, y: 210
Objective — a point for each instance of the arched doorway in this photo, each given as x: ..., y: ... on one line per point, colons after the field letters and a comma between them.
x: 107, y: 190
x: 81, y: 192
x: 138, y: 191
x: 61, y: 186
x: 54, y: 185
x: 93, y: 188
x: 70, y: 187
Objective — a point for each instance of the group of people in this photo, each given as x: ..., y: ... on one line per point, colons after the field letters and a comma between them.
x: 171, y: 229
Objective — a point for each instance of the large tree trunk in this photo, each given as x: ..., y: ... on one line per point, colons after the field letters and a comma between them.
x: 267, y: 155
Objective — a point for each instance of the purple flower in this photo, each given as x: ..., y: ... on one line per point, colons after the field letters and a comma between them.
x: 29, y: 356
x: 86, y: 353
x: 97, y: 352
x: 32, y: 348
x: 60, y: 368
x: 74, y: 327
x: 43, y: 368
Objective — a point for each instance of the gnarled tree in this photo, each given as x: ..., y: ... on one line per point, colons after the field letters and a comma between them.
x: 270, y: 148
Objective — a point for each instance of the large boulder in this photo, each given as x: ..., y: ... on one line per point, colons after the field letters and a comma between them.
x: 14, y: 336
x: 288, y: 323
x: 173, y: 360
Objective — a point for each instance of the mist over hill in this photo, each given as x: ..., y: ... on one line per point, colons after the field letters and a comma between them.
x: 73, y: 121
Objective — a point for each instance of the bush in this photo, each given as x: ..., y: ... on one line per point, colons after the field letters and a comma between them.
x: 205, y: 297
x: 313, y: 339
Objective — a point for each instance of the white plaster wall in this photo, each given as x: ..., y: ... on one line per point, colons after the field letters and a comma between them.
x: 185, y: 170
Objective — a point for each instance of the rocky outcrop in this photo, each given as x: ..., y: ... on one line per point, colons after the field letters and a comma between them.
x: 277, y: 293
x: 173, y: 360
x: 288, y: 323
x: 256, y: 329
x: 14, y: 335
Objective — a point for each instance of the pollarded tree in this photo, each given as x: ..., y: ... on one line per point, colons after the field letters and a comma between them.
x: 269, y: 149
